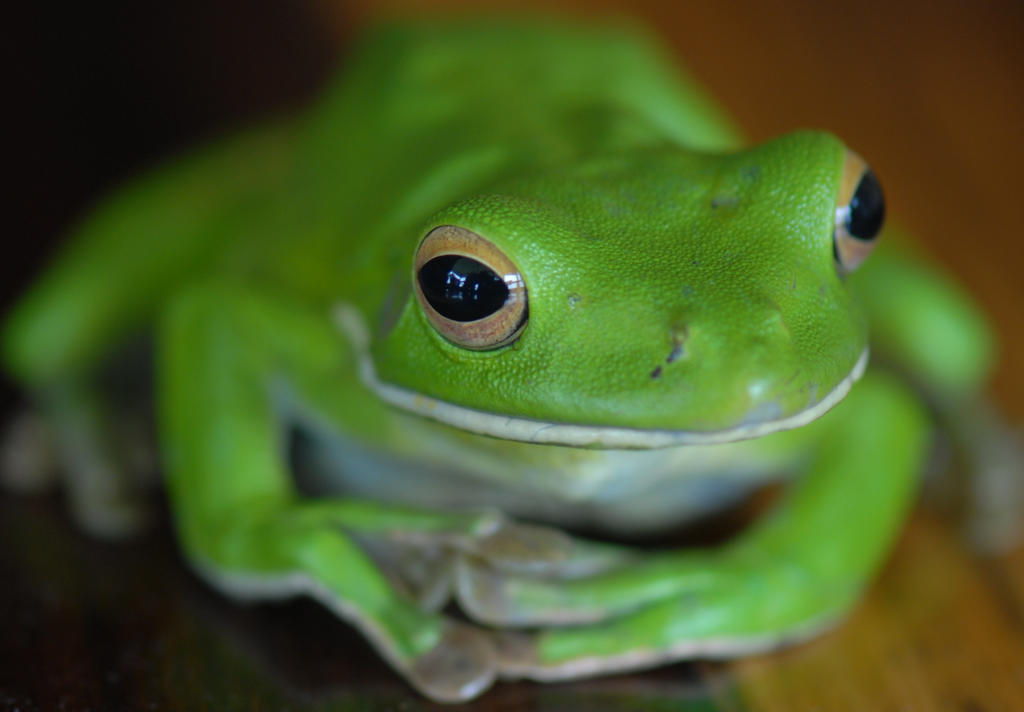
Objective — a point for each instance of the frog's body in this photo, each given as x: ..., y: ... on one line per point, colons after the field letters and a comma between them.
x: 682, y: 321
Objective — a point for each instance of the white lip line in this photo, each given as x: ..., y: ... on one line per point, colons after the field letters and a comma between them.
x: 529, y: 430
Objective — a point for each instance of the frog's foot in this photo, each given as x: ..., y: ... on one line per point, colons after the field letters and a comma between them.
x: 995, y: 486
x: 459, y: 667
x: 432, y: 565
x: 28, y: 454
x: 104, y: 463
x: 308, y: 549
x: 101, y: 473
x: 426, y: 556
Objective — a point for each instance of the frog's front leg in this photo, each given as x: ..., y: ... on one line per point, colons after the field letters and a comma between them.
x: 792, y: 574
x: 240, y: 519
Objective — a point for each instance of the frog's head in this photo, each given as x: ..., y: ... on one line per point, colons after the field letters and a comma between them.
x: 642, y: 299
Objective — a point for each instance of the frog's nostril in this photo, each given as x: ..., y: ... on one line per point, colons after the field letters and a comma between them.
x: 678, y: 350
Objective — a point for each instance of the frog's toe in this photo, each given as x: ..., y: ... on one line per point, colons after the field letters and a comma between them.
x: 524, y: 548
x: 517, y: 653
x: 494, y: 597
x: 523, y: 575
x: 111, y: 516
x: 28, y: 454
x: 480, y: 592
x: 463, y: 664
x: 104, y: 497
x: 423, y: 571
x: 544, y: 552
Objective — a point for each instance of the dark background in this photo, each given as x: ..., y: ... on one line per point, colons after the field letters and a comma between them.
x: 96, y: 93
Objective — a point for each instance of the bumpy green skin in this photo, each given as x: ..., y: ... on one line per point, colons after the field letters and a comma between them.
x: 617, y: 189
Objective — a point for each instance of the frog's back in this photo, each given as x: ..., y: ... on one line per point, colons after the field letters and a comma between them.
x: 526, y: 81
x: 427, y: 113
x: 423, y: 114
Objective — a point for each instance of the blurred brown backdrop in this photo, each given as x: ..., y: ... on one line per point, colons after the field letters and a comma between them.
x: 931, y: 93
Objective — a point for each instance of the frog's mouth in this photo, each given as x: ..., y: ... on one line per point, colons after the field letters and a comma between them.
x: 531, y: 430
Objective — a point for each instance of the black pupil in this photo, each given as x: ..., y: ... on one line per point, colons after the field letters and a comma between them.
x: 867, y: 209
x: 461, y: 288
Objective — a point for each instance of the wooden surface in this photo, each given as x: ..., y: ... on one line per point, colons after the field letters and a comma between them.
x: 931, y: 93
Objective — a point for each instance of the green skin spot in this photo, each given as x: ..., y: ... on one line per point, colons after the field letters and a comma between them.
x: 676, y: 284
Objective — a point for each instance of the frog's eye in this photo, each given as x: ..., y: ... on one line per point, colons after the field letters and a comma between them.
x: 859, y: 213
x: 469, y: 289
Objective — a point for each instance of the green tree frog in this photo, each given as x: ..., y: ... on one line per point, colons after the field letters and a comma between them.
x: 507, y: 282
